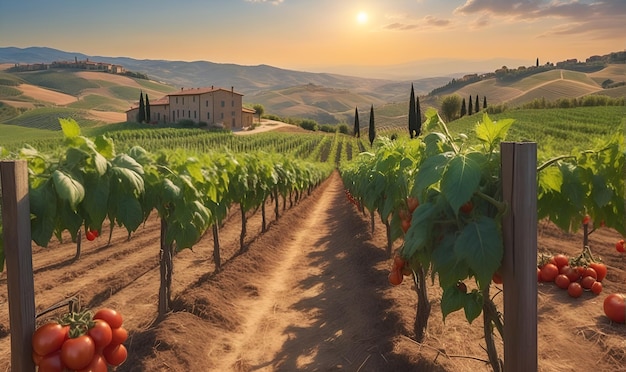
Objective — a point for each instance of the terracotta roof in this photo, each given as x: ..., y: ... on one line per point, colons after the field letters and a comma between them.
x: 196, y: 91
x: 244, y: 109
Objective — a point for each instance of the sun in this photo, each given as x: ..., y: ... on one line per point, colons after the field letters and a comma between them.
x: 361, y: 17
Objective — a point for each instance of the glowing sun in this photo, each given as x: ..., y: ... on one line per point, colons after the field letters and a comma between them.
x: 361, y: 17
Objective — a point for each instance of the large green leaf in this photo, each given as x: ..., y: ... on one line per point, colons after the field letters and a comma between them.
x: 68, y: 188
x: 550, y: 179
x: 492, y: 133
x: 460, y: 180
x: 96, y: 199
x: 446, y: 263
x: 480, y: 245
x: 129, y: 213
x: 420, y: 230
x: 452, y: 300
x: 430, y: 171
x: 43, y: 208
x: 473, y: 306
x: 70, y: 128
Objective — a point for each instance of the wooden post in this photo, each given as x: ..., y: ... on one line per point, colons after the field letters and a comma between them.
x: 519, y: 266
x: 19, y: 262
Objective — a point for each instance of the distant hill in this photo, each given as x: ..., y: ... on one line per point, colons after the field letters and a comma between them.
x: 29, y: 98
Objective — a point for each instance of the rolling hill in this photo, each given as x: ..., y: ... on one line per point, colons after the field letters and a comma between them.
x: 36, y: 98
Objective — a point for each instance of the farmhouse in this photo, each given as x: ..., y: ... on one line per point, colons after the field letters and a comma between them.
x: 213, y: 106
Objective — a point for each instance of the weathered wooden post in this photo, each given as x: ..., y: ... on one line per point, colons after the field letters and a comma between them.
x: 19, y: 262
x: 519, y: 266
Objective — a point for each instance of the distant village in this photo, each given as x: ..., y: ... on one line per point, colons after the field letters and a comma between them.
x: 78, y: 65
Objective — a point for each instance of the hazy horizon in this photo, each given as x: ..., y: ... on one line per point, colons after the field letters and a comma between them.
x: 349, y: 37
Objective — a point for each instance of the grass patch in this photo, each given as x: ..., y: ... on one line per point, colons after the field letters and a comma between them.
x: 61, y: 81
x: 125, y: 93
x: 48, y: 118
x: 7, y: 91
x: 159, y: 87
x: 101, y: 103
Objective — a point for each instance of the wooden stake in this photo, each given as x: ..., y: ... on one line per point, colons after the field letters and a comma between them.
x: 19, y: 262
x: 519, y: 266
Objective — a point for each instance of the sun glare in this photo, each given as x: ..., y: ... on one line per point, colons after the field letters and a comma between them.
x: 361, y: 17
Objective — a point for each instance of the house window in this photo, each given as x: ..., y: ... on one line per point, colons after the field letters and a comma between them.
x: 223, y: 103
x: 183, y: 100
x: 176, y: 100
x: 194, y: 114
x: 208, y: 116
x: 232, y: 113
x: 232, y: 103
x: 158, y: 116
x: 183, y: 113
x: 207, y: 103
x: 178, y: 114
x: 194, y: 98
x: 222, y: 116
x: 188, y: 113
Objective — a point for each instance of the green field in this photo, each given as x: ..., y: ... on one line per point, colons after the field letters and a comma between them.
x: 98, y: 102
x: 47, y: 118
x: 60, y: 81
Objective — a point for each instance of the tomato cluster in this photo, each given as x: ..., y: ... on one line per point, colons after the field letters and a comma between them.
x: 406, y: 215
x: 91, y: 234
x: 399, y: 269
x: 567, y: 274
x: 81, y: 342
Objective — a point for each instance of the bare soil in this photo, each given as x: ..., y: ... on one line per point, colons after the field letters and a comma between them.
x: 309, y: 294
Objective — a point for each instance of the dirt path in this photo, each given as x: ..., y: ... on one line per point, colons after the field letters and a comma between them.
x: 310, y: 294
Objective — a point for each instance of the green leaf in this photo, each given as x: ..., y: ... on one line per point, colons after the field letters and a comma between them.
x: 68, y: 188
x: 460, y: 180
x: 129, y: 171
x: 446, y: 264
x: 129, y: 213
x: 452, y: 300
x: 602, y: 195
x: 550, y: 179
x: 104, y: 145
x: 430, y: 172
x: 421, y: 226
x: 480, y: 245
x: 43, y: 209
x: 96, y: 199
x: 492, y: 133
x: 70, y: 128
x: 67, y: 219
x: 473, y: 306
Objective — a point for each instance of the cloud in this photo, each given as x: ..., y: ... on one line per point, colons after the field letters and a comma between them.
x: 273, y: 2
x: 428, y: 22
x: 605, y: 17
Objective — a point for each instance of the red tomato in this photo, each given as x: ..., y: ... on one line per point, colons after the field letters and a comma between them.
x: 77, y: 353
x: 398, y: 262
x: 467, y: 207
x: 620, y: 246
x: 590, y: 272
x: 51, y: 363
x: 461, y: 287
x: 101, y: 334
x: 119, y: 335
x: 549, y: 272
x: 562, y: 281
x: 596, y: 288
x: 587, y: 282
x: 89, y: 235
x: 600, y: 269
x: 412, y: 203
x: 49, y: 338
x: 497, y: 278
x: 112, y: 317
x: 97, y: 364
x: 115, y: 355
x: 586, y: 219
x: 403, y: 214
x: 561, y: 260
x: 96, y: 233
x: 570, y: 272
x: 615, y: 307
x: 395, y: 277
x: 575, y: 290
x: 406, y: 224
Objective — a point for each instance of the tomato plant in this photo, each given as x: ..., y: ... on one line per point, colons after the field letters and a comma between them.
x: 615, y: 307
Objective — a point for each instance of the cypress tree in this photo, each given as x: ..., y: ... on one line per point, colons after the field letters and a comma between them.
x: 372, y: 132
x: 469, y: 106
x: 463, y: 108
x: 477, y: 108
x: 537, y: 62
x: 418, y: 116
x: 412, y: 114
x: 357, y: 129
x: 147, y: 109
x: 141, y: 115
x: 484, y: 102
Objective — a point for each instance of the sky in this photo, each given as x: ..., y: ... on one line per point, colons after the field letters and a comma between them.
x: 319, y: 35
